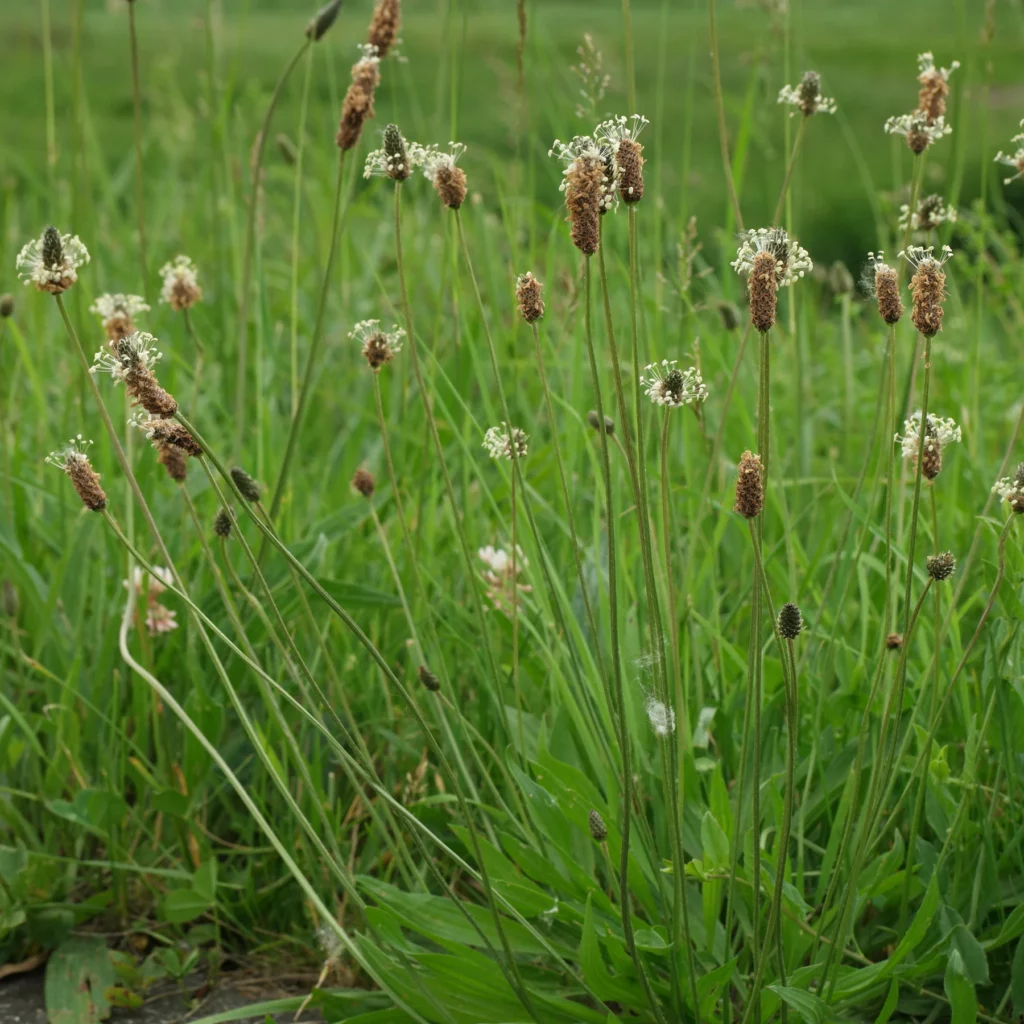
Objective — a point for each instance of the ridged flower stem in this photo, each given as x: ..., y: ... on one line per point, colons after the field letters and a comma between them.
x: 315, y: 341
x: 241, y: 383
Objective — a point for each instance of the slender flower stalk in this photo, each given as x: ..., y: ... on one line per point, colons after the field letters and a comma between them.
x: 140, y: 209
x: 723, y: 134
x: 315, y: 341
x: 244, y: 291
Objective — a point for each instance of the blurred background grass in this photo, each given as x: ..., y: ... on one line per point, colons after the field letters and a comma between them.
x: 461, y: 81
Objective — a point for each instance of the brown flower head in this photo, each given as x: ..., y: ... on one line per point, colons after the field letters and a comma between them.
x: 247, y: 487
x: 771, y: 260
x: 180, y: 289
x: 74, y: 461
x: 598, y: 829
x: 131, y: 361
x: 363, y: 482
x: 222, y: 523
x: 118, y: 314
x: 166, y: 431
x: 931, y: 99
x: 384, y: 25
x: 428, y: 679
x: 941, y: 567
x: 1011, y: 490
x: 6, y: 305
x: 919, y: 132
x: 585, y: 186
x: 357, y: 106
x: 749, y: 486
x: 174, y: 460
x: 886, y: 284
x: 440, y: 169
x: 378, y: 347
x: 928, y: 287
x: 528, y: 295
x: 620, y: 136
x: 893, y: 642
x: 806, y: 98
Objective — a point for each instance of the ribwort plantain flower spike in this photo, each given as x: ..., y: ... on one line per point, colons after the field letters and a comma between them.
x: 619, y: 137
x: 790, y: 621
x: 247, y: 487
x: 73, y: 460
x: 118, y: 313
x: 384, y: 25
x: 931, y: 212
x: 428, y: 680
x: 363, y: 483
x: 770, y: 260
x: 586, y: 187
x: 357, y: 106
x: 222, y: 523
x: 393, y: 159
x: 51, y: 261
x: 1011, y: 490
x: 180, y: 289
x: 919, y: 132
x: 939, y: 432
x: 931, y: 99
x: 1015, y: 159
x: 598, y: 829
x: 131, y: 362
x: 928, y: 287
x: 505, y: 442
x: 673, y: 387
x: 378, y: 347
x: 529, y: 297
x: 166, y: 431
x: 323, y: 20
x: 807, y: 97
x: 439, y: 167
x: 941, y: 567
x: 749, y: 486
x: 174, y: 460
x: 887, y: 288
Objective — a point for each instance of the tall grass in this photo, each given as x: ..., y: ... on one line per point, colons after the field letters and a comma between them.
x: 641, y: 759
